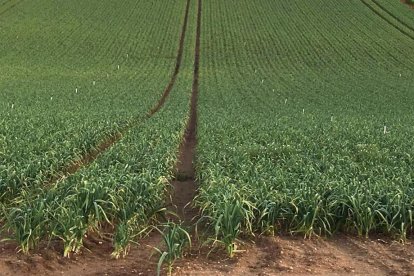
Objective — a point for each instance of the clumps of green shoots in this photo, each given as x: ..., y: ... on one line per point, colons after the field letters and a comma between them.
x: 176, y: 239
x: 229, y: 217
x: 70, y: 228
x: 28, y: 224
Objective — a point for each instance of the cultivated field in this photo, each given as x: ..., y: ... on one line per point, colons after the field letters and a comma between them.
x: 221, y: 133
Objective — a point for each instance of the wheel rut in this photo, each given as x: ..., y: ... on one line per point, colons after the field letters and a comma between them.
x: 185, y: 183
x: 107, y: 142
x: 392, y: 15
x: 399, y: 28
x: 178, y: 61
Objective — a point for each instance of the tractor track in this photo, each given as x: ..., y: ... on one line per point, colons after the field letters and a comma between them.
x: 392, y: 15
x: 387, y: 20
x: 107, y: 142
x: 185, y: 186
x: 179, y: 58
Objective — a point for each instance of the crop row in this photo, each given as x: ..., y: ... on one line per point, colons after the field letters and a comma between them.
x: 305, y: 113
x: 394, y: 21
x: 68, y: 79
x: 305, y: 122
x: 398, y: 11
x: 121, y: 194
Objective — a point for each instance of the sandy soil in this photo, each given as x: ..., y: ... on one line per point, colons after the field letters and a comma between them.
x: 281, y: 255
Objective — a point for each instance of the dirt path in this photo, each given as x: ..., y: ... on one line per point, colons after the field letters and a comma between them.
x: 281, y: 255
x: 185, y: 184
x: 112, y: 139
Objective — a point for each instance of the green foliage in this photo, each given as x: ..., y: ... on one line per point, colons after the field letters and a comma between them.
x: 230, y: 215
x: 60, y: 87
x: 176, y: 239
x: 27, y: 224
x: 306, y: 118
x: 123, y: 191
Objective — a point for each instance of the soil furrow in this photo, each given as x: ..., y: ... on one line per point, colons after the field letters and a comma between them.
x: 179, y: 58
x: 112, y: 139
x: 185, y: 186
x: 408, y: 3
x: 392, y: 15
x: 387, y: 20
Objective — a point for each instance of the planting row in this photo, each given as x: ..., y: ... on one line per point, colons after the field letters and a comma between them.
x: 402, y: 12
x: 121, y: 194
x: 73, y: 73
x: 305, y: 120
x: 394, y: 20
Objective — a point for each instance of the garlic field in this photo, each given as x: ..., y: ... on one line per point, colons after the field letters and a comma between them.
x: 62, y: 76
x: 73, y: 74
x: 306, y: 118
x: 303, y: 110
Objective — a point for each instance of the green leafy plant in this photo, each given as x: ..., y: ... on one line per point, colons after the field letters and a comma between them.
x: 176, y: 240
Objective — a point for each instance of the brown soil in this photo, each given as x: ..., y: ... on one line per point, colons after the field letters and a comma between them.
x: 185, y: 184
x: 94, y: 259
x: 288, y: 255
x: 411, y: 4
x: 282, y: 255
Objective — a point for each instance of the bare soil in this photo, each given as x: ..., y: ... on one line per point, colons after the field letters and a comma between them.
x: 286, y: 255
x: 408, y: 3
x: 185, y: 186
x: 280, y: 255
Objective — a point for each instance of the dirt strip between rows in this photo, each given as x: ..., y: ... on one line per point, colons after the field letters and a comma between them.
x: 95, y: 258
x: 185, y: 183
x: 396, y: 18
x: 387, y: 19
x: 112, y: 139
